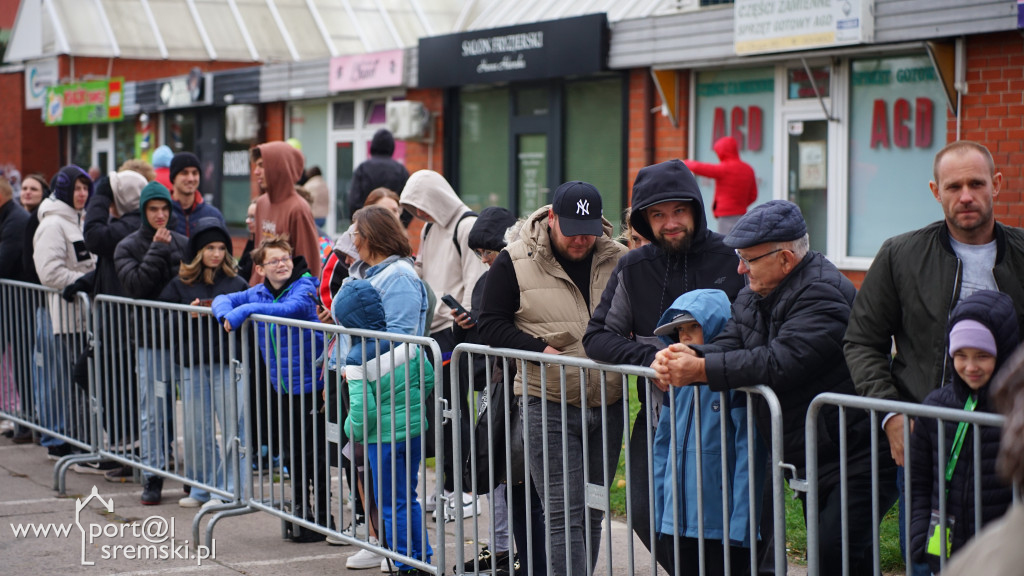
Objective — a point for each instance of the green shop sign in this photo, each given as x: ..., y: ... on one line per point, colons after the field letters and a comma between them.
x: 84, y: 102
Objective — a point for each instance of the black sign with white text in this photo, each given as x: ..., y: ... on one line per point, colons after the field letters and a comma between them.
x: 552, y: 49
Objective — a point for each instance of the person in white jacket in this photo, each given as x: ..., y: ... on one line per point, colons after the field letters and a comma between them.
x: 61, y: 260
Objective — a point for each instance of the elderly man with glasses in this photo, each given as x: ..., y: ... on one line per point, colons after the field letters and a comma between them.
x: 786, y: 332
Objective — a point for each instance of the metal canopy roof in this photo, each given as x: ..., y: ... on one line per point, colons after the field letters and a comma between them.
x: 277, y: 30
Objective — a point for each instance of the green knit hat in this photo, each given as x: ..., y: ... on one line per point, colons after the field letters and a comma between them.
x: 153, y: 191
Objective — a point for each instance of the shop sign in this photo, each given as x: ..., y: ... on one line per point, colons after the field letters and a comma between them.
x: 365, y: 71
x: 551, y: 49
x: 84, y: 102
x: 752, y: 117
x: 182, y: 91
x: 784, y: 25
x: 39, y: 76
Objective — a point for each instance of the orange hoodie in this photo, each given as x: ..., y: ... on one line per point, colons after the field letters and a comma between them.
x: 281, y: 210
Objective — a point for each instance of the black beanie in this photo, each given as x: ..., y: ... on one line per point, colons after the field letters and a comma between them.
x: 208, y: 229
x: 181, y: 161
x: 62, y: 186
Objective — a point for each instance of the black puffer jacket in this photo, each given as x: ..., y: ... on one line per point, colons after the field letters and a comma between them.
x: 996, y: 311
x: 380, y: 170
x: 145, y: 267
x: 102, y: 234
x: 647, y: 280
x: 13, y: 219
x: 209, y: 341
x: 792, y: 341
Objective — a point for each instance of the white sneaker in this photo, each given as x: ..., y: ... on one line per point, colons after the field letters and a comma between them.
x: 430, y: 504
x: 364, y: 559
x: 470, y: 507
x: 213, y: 502
x: 189, y: 502
x: 387, y: 566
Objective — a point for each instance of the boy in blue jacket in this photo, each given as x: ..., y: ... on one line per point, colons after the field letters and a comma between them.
x: 694, y: 318
x: 291, y: 355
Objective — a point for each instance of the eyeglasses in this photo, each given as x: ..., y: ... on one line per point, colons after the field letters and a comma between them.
x: 748, y: 261
x: 481, y: 253
x: 277, y: 262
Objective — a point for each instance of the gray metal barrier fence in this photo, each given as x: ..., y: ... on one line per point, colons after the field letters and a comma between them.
x: 311, y: 413
x: 549, y: 467
x: 877, y: 409
x: 42, y: 338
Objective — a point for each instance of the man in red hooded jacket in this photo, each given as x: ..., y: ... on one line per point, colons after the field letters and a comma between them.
x: 277, y: 166
x: 735, y: 183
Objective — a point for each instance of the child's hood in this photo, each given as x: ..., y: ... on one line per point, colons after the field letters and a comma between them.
x: 995, y: 311
x: 358, y: 305
x: 710, y: 308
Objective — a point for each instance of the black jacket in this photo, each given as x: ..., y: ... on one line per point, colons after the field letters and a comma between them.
x: 13, y: 219
x: 908, y: 294
x: 647, y: 280
x: 380, y: 170
x: 102, y: 234
x: 209, y: 342
x: 28, y: 263
x: 995, y: 311
x: 792, y: 342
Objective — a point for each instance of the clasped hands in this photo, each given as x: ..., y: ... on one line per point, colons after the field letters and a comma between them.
x: 677, y: 365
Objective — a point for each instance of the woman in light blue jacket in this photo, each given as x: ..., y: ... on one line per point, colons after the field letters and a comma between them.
x: 697, y: 317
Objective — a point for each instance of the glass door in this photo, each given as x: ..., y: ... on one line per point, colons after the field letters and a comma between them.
x: 531, y: 166
x: 807, y: 175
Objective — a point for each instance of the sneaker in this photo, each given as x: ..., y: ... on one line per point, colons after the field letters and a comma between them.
x: 356, y: 530
x: 59, y: 451
x: 190, y: 502
x: 470, y: 507
x: 212, y: 502
x: 121, y: 474
x: 95, y: 467
x: 483, y: 562
x: 365, y: 558
x: 152, y: 490
x: 430, y: 504
x: 22, y: 435
x: 387, y: 566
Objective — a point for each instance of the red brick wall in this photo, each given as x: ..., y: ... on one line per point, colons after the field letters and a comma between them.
x: 992, y: 113
x: 138, y: 70
x: 418, y: 154
x: 668, y: 141
x: 273, y: 121
x: 27, y: 143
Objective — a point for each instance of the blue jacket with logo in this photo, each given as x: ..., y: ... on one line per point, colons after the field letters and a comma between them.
x: 711, y: 309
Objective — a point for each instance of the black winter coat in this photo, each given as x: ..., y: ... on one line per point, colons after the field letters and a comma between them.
x: 28, y: 262
x: 996, y: 311
x: 102, y: 234
x: 13, y: 219
x: 792, y: 341
x: 209, y: 342
x: 145, y: 268
x: 380, y: 170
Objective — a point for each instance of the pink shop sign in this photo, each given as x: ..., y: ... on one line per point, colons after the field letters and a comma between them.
x: 364, y: 71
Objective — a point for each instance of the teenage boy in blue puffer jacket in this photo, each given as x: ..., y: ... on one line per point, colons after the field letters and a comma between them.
x: 696, y: 317
x: 292, y: 356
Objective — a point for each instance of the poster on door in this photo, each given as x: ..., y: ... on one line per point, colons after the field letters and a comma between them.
x: 812, y: 165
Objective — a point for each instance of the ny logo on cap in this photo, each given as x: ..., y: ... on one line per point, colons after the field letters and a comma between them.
x: 582, y: 207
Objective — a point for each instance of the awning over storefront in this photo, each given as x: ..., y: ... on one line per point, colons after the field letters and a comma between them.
x: 278, y: 30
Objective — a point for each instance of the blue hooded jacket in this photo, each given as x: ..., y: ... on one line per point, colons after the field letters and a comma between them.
x: 711, y: 309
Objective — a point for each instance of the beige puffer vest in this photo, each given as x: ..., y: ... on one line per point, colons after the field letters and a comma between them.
x: 552, y: 308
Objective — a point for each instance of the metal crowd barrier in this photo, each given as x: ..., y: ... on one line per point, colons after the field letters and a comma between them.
x: 877, y: 410
x: 297, y: 435
x: 42, y: 337
x: 576, y: 519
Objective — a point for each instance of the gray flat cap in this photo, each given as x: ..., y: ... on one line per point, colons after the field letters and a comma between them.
x: 774, y: 221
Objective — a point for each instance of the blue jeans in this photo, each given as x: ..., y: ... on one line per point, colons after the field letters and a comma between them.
x: 156, y: 396
x: 208, y: 390
x: 916, y: 568
x: 45, y: 368
x: 563, y: 477
x: 397, y: 498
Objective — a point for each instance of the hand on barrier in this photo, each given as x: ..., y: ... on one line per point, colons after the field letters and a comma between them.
x: 227, y: 325
x: 74, y: 288
x: 678, y: 365
x: 894, y: 430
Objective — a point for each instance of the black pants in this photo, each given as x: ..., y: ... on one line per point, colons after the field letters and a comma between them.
x: 304, y: 452
x: 535, y: 549
x: 688, y: 552
x: 446, y: 341
x: 639, y: 491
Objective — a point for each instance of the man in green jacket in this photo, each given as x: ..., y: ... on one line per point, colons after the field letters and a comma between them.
x: 917, y: 279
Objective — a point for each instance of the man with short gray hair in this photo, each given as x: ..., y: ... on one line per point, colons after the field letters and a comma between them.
x: 786, y: 333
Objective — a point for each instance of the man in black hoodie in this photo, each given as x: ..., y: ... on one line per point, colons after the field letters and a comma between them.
x: 380, y: 170
x: 683, y: 255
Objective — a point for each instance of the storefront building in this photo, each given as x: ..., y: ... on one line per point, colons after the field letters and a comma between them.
x: 527, y: 107
x: 839, y: 107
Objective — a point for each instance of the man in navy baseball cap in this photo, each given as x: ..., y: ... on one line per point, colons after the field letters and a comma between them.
x: 578, y: 207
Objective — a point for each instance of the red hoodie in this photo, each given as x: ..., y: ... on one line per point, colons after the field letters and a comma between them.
x: 735, y: 182
x: 281, y: 210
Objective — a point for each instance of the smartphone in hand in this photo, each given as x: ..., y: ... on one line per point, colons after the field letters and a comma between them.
x: 452, y: 303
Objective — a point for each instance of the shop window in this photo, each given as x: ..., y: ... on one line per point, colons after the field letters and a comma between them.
x: 799, y: 84
x: 181, y: 131
x: 741, y: 104
x: 897, y: 124
x: 344, y: 115
x: 376, y: 112
x: 128, y: 140
x: 483, y: 148
x: 81, y: 146
x: 593, y: 140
